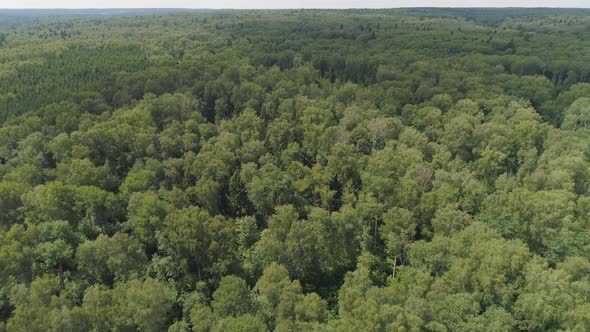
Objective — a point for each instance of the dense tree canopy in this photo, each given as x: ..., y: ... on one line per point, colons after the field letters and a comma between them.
x: 295, y: 170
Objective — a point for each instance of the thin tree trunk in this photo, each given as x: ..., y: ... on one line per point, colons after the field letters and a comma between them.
x: 61, y: 276
x: 375, y: 235
x: 199, y: 270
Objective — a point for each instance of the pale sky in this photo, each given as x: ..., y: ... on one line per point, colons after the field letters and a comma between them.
x: 240, y: 4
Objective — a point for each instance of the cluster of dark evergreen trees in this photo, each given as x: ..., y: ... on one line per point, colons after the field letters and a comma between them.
x: 301, y: 170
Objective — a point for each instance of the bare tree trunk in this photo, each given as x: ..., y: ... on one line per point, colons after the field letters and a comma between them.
x: 61, y: 276
x: 375, y: 235
x: 394, y: 266
x: 199, y: 270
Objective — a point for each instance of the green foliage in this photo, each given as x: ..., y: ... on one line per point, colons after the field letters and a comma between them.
x: 199, y: 244
x: 232, y: 297
x: 577, y: 115
x: 105, y: 259
x: 295, y: 170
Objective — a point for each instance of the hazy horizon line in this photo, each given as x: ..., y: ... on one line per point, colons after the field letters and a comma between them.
x: 295, y: 8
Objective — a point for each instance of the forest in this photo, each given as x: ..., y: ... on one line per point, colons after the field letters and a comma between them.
x: 295, y: 170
